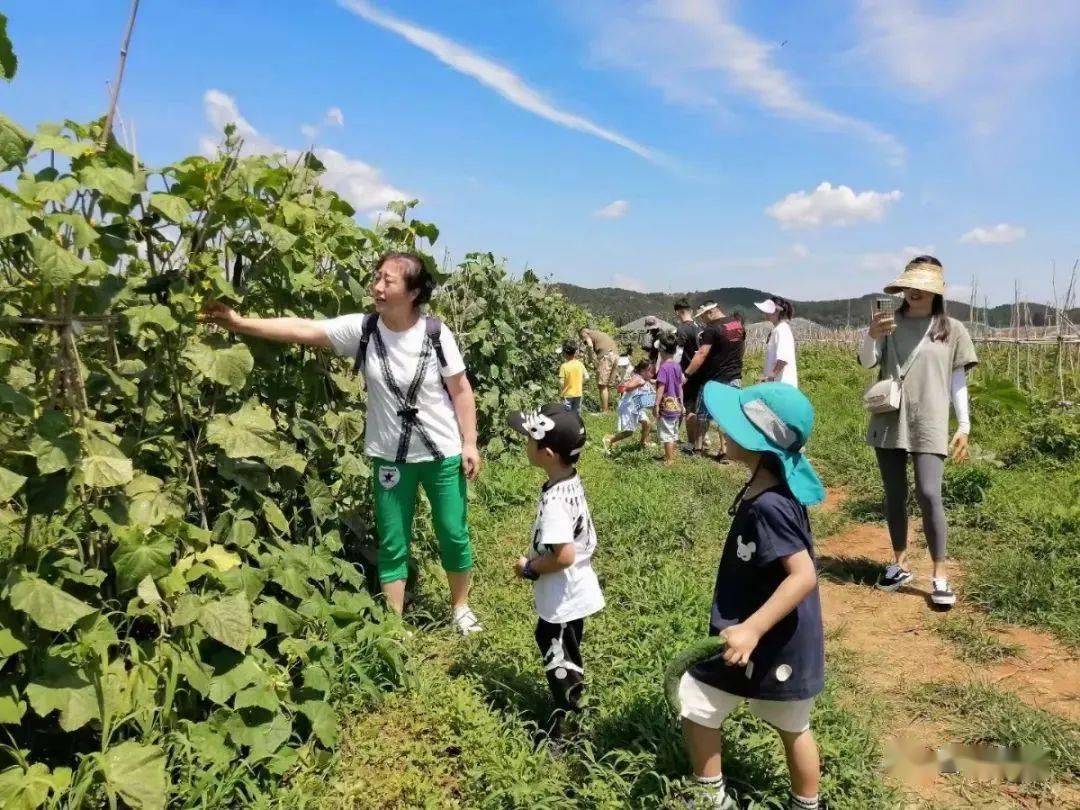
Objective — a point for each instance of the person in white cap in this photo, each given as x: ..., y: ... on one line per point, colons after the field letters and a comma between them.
x: 780, y: 363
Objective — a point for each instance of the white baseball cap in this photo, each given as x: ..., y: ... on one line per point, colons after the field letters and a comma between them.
x: 768, y: 306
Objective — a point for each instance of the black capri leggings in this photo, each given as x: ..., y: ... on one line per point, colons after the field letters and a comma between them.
x: 929, y: 470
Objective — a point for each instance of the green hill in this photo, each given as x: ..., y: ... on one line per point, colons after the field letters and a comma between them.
x: 624, y: 306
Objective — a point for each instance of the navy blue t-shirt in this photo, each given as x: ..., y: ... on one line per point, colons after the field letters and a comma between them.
x: 789, y: 661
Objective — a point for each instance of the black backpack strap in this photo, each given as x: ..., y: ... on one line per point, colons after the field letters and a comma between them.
x: 371, y: 323
x: 434, y: 334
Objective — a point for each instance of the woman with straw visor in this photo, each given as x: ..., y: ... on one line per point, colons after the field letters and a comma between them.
x: 928, y: 354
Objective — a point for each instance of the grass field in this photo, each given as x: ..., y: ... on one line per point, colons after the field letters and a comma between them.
x: 465, y: 734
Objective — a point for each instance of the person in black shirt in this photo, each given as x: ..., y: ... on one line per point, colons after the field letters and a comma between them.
x: 765, y: 604
x: 686, y: 333
x: 719, y: 358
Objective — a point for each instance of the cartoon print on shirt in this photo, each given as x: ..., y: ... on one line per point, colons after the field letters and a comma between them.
x: 745, y: 550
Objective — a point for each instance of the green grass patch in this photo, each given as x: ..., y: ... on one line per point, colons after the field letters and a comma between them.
x: 982, y: 714
x: 973, y: 638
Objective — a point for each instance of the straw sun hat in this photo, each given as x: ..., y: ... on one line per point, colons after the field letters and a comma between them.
x: 919, y: 276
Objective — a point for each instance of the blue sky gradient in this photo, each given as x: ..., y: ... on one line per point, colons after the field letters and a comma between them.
x: 652, y: 145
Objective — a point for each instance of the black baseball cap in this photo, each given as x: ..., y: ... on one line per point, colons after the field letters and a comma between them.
x: 554, y: 426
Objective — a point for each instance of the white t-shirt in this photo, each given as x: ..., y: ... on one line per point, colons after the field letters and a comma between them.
x: 563, y: 517
x: 781, y: 346
x: 435, y: 410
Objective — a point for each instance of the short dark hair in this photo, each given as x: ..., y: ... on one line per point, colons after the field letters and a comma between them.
x: 416, y: 275
x: 669, y: 342
x: 641, y: 365
x: 682, y: 303
x: 569, y: 348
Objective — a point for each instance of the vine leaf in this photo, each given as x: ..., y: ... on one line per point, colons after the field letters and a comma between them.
x: 218, y: 361
x: 104, y: 464
x: 112, y: 181
x: 173, y: 208
x: 48, y: 606
x: 57, y: 265
x: 136, y: 773
x: 323, y: 720
x: 14, y: 143
x: 140, y: 556
x: 10, y: 483
x: 12, y: 221
x: 228, y: 620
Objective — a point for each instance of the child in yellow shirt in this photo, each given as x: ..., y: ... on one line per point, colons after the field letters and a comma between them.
x: 572, y: 377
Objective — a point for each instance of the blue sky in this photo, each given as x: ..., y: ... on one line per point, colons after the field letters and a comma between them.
x: 806, y: 148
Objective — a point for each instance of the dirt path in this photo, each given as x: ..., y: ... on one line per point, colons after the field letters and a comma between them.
x: 898, y: 647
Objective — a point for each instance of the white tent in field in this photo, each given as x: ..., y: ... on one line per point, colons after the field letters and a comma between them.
x: 638, y: 326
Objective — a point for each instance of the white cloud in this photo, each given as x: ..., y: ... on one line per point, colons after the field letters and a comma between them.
x: 360, y: 183
x: 334, y: 117
x: 892, y: 261
x: 502, y: 80
x: 629, y: 283
x: 309, y: 132
x: 693, y: 51
x: 999, y: 234
x: 799, y: 251
x: 980, y: 55
x: 613, y: 210
x: 831, y: 205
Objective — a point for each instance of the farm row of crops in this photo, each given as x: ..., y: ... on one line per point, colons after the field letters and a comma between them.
x: 184, y: 515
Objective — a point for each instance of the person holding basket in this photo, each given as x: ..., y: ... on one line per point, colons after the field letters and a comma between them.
x: 924, y: 357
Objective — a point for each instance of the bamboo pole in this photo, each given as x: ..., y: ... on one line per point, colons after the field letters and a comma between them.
x: 107, y: 130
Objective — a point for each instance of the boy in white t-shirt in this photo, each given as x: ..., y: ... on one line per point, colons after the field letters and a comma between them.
x: 559, y: 559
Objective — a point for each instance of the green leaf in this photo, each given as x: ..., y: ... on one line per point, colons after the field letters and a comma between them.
x: 173, y: 208
x: 324, y: 721
x: 209, y: 744
x: 83, y: 233
x: 228, y: 620
x: 150, y: 315
x: 9, y: 644
x: 14, y: 144
x: 249, y: 727
x: 320, y: 498
x: 10, y: 483
x: 136, y: 773
x: 30, y: 788
x: 251, y: 432
x: 149, y: 504
x: 9, y: 62
x: 12, y: 220
x: 12, y: 706
x: 48, y: 606
x: 279, y: 237
x: 63, y: 688
x: 148, y: 591
x: 226, y: 364
x: 227, y: 683
x: 112, y: 181
x: 138, y: 556
x: 50, y: 190
x: 57, y: 265
x: 53, y: 455
x: 103, y: 464
x: 15, y: 402
x: 274, y: 516
x: 45, y: 139
x: 218, y: 557
x: 261, y: 696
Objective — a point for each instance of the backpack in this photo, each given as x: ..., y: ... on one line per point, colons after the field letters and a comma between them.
x: 433, y: 330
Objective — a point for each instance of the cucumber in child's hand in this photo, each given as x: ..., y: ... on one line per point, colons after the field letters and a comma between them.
x: 706, y: 648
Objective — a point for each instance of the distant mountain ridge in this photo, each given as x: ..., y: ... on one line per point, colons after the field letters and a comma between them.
x: 624, y: 306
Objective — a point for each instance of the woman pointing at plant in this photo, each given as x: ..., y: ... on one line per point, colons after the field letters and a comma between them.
x: 924, y: 357
x: 421, y: 419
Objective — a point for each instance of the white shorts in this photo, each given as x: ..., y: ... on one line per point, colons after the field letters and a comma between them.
x: 708, y: 706
x: 669, y: 430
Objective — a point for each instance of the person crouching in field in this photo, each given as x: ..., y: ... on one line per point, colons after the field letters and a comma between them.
x: 766, y: 604
x: 572, y: 377
x: 669, y: 397
x: 559, y: 559
x: 638, y: 399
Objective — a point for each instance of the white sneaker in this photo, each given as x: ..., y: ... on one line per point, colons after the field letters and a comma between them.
x: 942, y: 594
x: 466, y: 621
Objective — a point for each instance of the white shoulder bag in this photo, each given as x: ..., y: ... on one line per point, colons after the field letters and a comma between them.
x: 884, y: 395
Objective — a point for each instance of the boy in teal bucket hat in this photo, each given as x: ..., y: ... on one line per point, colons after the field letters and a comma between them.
x: 765, y: 604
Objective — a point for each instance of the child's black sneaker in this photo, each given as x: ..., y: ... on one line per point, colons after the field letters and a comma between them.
x: 942, y: 595
x: 894, y: 578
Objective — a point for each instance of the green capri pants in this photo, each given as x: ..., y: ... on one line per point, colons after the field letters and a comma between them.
x: 395, y: 489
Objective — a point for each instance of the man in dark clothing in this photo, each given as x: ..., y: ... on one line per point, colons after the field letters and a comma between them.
x: 719, y: 357
x: 686, y: 332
